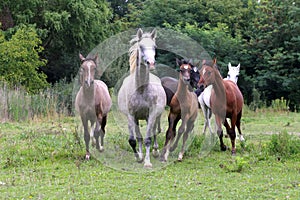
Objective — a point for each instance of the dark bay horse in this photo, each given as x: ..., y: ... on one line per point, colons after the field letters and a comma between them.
x: 141, y: 96
x: 226, y: 101
x: 93, y: 102
x: 184, y: 106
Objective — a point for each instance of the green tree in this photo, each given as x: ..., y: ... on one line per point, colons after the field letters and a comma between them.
x: 275, y: 47
x: 66, y: 28
x: 20, y: 62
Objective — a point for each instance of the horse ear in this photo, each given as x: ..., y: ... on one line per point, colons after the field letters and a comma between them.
x: 229, y: 65
x: 238, y: 67
x: 215, y: 61
x: 96, y: 58
x: 139, y: 33
x: 153, y: 34
x: 215, y: 64
x: 178, y: 62
x: 81, y: 57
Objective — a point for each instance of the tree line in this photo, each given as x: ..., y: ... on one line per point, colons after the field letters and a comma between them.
x: 40, y: 39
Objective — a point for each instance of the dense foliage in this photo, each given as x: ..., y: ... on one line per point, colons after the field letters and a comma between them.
x: 261, y: 35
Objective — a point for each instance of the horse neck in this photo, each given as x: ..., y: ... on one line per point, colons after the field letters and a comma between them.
x: 141, y: 75
x: 219, y: 87
x: 182, y: 88
x: 88, y: 93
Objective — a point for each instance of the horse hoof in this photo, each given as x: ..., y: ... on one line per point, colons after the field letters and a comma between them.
x: 155, y: 153
x: 172, y: 148
x: 223, y: 148
x: 233, y: 153
x: 87, y: 157
x: 148, y: 165
x: 139, y: 157
x: 242, y: 139
x: 101, y: 149
x: 180, y: 157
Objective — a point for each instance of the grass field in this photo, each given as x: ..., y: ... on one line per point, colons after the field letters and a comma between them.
x: 43, y: 159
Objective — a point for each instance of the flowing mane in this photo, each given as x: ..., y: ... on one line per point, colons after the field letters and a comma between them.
x: 133, y: 50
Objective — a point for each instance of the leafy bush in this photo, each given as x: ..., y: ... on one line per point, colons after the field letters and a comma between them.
x: 283, y: 145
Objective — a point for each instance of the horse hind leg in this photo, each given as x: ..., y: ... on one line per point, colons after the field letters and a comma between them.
x: 232, y: 134
x: 102, y: 133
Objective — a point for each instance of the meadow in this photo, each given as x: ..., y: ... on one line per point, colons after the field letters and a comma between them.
x: 43, y: 158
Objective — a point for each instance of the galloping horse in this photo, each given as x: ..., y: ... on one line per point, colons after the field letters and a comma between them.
x: 184, y: 106
x: 93, y: 102
x: 141, y: 96
x: 226, y: 101
x: 170, y: 84
x: 204, y: 98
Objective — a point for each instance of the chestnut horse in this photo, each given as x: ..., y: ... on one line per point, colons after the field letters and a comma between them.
x: 184, y: 106
x: 93, y: 102
x: 204, y: 98
x: 226, y: 101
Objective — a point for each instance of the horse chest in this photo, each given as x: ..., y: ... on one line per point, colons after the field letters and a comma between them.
x: 140, y: 104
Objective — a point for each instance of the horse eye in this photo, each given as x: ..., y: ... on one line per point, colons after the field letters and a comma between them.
x: 228, y: 75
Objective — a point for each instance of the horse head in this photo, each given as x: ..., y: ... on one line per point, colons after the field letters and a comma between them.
x: 186, y: 68
x: 208, y: 72
x: 233, y: 73
x: 147, y: 47
x: 87, y: 70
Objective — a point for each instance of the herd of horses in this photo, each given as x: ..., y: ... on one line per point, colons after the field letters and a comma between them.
x: 143, y: 96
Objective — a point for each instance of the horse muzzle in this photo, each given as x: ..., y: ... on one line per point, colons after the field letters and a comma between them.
x: 89, y: 83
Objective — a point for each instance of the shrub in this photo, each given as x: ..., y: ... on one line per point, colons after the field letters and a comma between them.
x: 283, y: 145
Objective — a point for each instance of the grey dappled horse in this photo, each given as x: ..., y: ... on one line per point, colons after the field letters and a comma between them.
x: 141, y: 96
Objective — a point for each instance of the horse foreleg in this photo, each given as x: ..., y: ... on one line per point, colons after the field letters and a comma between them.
x: 180, y: 131
x: 220, y: 133
x: 190, y: 126
x: 86, y: 138
x: 132, y: 139
x: 238, y: 125
x: 150, y: 127
x: 155, y: 151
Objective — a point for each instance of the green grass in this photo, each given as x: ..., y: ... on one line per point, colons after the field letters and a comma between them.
x: 44, y: 160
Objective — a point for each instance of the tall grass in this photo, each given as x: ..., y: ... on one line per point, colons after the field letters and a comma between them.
x: 16, y: 104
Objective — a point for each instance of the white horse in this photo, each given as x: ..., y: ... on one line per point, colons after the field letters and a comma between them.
x: 141, y: 96
x: 204, y: 98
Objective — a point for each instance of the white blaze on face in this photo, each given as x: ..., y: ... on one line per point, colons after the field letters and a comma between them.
x: 89, y: 64
x: 185, y: 66
x: 203, y: 72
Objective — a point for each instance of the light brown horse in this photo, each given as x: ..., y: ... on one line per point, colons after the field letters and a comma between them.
x: 184, y: 106
x: 93, y: 102
x: 226, y: 101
